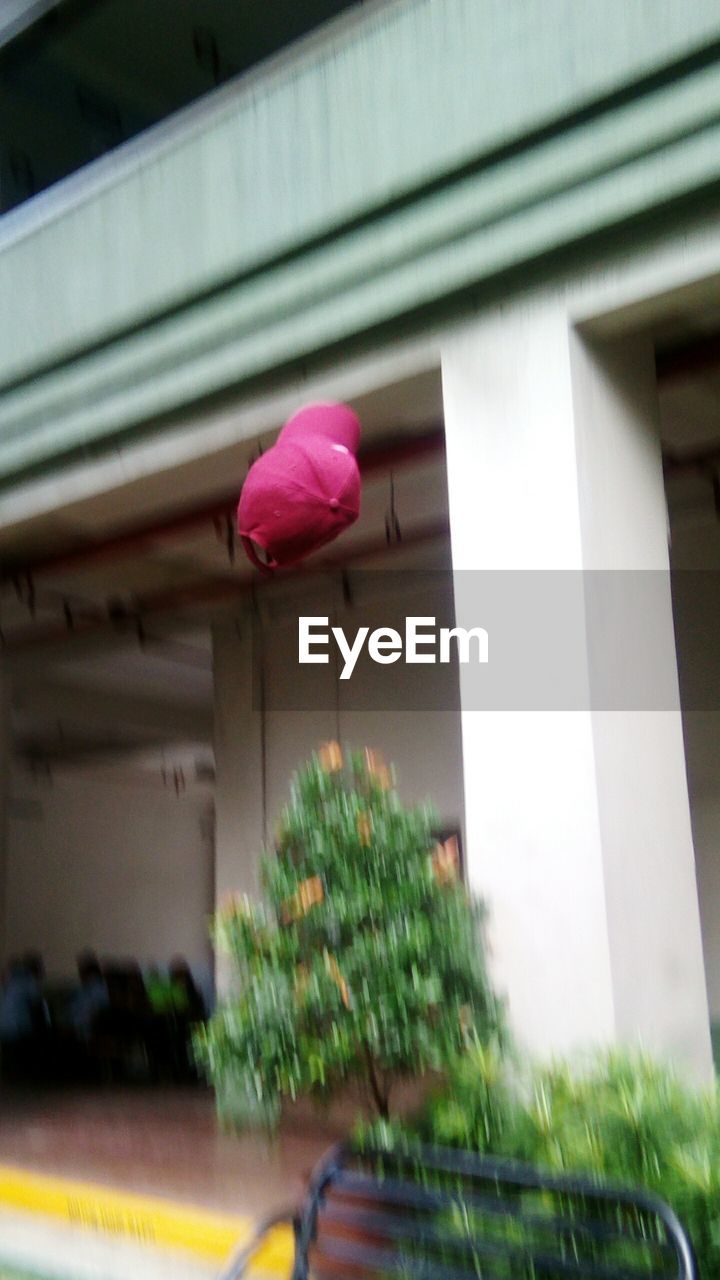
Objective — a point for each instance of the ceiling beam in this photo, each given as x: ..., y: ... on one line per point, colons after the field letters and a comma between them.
x: 100, y: 752
x: 141, y: 537
x: 80, y: 705
x: 204, y: 598
x: 25, y: 663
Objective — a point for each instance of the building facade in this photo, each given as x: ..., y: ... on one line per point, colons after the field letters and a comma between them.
x: 497, y: 221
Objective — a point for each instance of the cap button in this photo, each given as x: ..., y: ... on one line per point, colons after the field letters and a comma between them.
x: 334, y: 504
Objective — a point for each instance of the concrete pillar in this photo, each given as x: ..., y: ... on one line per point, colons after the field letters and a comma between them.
x: 578, y: 822
x: 239, y: 785
x: 256, y: 756
x: 258, y: 742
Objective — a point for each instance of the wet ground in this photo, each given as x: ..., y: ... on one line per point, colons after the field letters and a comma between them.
x: 162, y: 1143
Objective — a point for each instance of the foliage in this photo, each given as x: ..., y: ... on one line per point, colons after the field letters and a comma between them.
x: 624, y: 1119
x: 365, y: 963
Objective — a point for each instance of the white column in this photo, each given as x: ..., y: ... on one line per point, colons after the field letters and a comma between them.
x: 577, y: 821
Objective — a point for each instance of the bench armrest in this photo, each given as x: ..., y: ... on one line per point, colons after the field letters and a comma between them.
x: 240, y: 1260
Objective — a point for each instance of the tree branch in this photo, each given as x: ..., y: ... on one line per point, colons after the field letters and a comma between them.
x: 380, y: 1097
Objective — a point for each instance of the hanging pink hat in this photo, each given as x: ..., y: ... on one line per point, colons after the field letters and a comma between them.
x: 305, y: 490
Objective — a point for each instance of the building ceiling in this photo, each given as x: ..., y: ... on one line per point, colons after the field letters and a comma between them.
x: 111, y: 655
x: 110, y: 651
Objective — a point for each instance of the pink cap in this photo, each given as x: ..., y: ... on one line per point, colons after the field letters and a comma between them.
x: 305, y: 490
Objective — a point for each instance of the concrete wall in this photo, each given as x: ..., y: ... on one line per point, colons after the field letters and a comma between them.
x: 124, y: 870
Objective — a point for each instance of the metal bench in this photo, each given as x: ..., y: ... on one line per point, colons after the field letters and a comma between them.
x: 435, y: 1214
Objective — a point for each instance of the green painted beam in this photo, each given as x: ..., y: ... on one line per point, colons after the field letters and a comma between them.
x: 430, y: 146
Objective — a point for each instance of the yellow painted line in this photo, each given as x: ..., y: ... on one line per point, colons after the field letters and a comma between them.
x: 161, y: 1223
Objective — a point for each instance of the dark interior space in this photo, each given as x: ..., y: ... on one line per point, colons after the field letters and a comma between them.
x: 92, y: 74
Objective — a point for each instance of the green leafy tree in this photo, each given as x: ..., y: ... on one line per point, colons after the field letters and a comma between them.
x: 365, y: 962
x: 620, y: 1117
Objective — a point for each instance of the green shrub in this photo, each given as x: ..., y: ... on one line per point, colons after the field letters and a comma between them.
x: 365, y: 962
x: 624, y: 1119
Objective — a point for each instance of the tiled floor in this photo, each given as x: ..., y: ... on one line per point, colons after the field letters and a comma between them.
x: 164, y: 1143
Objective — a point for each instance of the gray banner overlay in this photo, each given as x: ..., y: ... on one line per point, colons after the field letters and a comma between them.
x: 556, y: 641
